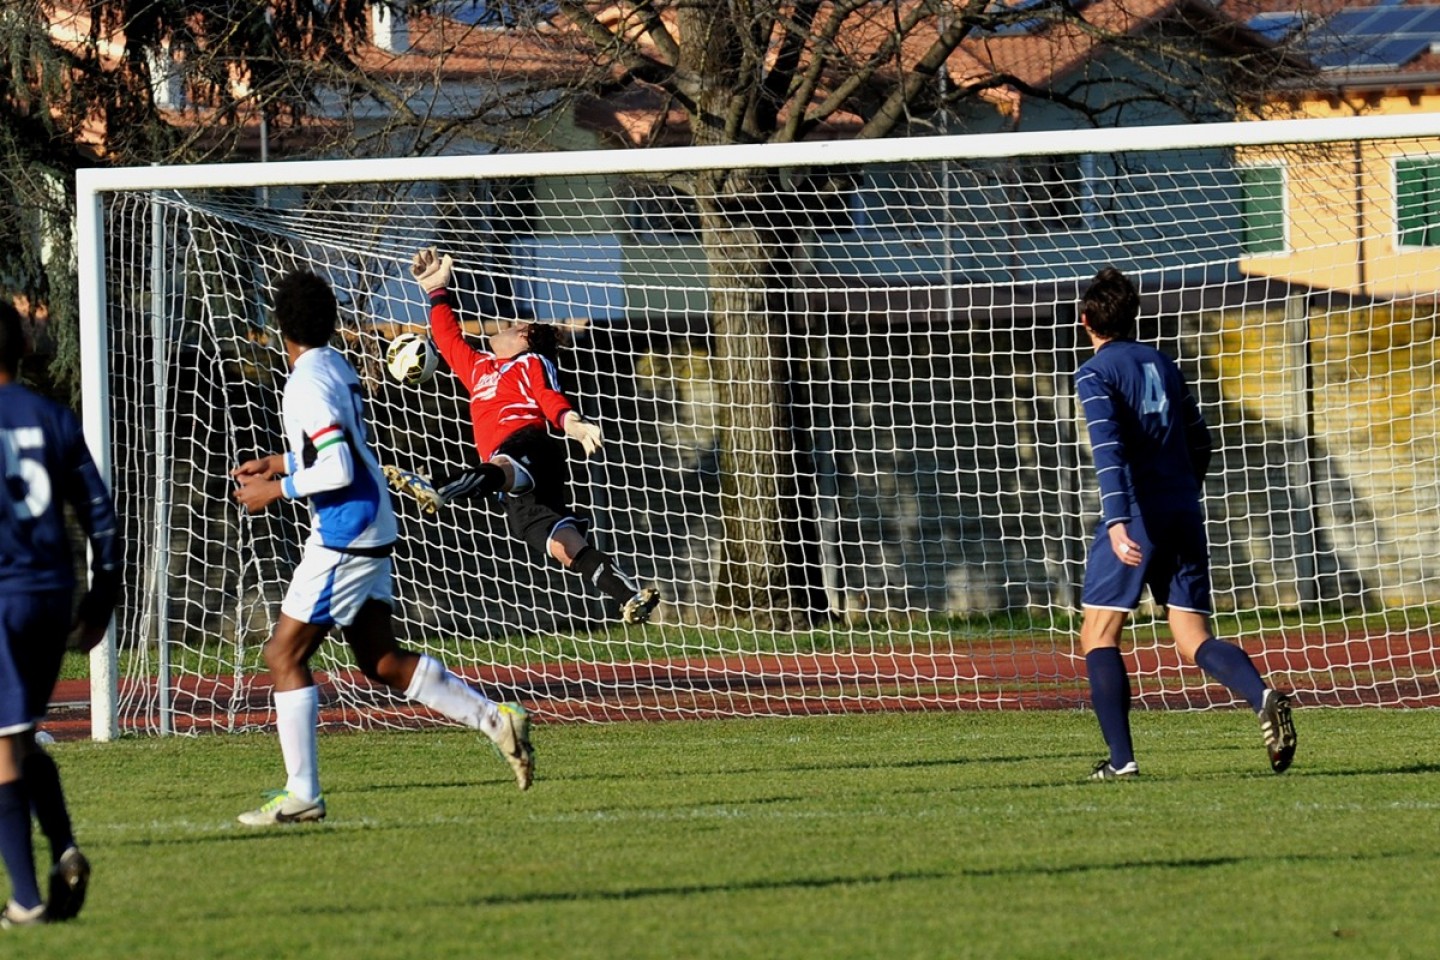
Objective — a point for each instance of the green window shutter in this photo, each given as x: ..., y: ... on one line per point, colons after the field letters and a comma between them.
x: 1262, y: 209
x: 1417, y: 202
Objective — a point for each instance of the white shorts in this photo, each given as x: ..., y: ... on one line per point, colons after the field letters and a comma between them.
x: 329, y: 588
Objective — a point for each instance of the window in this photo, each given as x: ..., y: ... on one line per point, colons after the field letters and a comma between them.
x: 1417, y: 201
x: 1048, y: 194
x: 828, y: 199
x: 500, y: 13
x: 659, y: 213
x: 1262, y: 209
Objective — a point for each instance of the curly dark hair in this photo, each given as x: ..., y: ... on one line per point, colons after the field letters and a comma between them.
x: 12, y: 338
x: 305, y: 309
x: 1111, y: 304
x: 545, y: 339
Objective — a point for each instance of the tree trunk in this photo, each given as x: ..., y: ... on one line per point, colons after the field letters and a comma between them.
x: 763, y: 558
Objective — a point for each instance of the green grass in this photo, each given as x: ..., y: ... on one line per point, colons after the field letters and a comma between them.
x: 928, y: 836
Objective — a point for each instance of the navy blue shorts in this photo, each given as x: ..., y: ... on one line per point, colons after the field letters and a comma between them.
x: 1175, y: 565
x: 33, y: 631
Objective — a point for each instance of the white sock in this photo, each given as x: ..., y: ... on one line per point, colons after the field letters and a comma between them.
x: 297, y: 715
x: 445, y: 693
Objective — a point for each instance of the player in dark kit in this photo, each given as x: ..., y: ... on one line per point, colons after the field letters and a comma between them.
x: 46, y: 465
x: 1151, y: 448
x: 515, y: 399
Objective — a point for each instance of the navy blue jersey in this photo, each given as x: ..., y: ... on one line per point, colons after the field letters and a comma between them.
x: 1150, y: 443
x: 46, y: 465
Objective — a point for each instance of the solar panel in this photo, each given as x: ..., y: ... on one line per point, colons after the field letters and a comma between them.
x: 1396, y: 53
x: 1349, y: 22
x: 1374, y: 38
x: 1277, y: 25
x: 1390, y: 21
x: 1428, y: 21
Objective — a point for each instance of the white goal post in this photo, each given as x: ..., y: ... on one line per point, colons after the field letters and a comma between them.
x: 835, y: 384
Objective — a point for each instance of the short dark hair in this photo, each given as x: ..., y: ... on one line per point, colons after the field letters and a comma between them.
x: 305, y: 309
x: 12, y: 337
x: 1111, y: 304
x: 544, y: 339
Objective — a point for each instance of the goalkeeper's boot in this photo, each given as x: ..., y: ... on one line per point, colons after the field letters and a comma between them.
x: 639, y: 607
x: 415, y: 485
x: 512, y: 742
x: 1278, y: 729
x: 284, y: 807
x: 69, y: 878
x: 15, y: 915
x: 1104, y: 770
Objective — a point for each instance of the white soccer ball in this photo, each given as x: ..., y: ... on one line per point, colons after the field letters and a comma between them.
x: 411, y: 358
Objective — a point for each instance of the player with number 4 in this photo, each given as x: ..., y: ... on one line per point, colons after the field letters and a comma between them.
x: 1151, y: 448
x: 515, y: 398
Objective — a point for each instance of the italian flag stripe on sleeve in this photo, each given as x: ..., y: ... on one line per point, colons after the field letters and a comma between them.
x: 327, y: 437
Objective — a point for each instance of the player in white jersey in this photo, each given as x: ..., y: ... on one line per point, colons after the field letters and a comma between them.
x: 343, y: 579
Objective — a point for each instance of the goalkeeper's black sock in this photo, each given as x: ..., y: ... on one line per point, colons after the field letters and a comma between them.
x: 1110, y: 696
x: 1233, y: 667
x: 600, y: 570
x: 47, y: 801
x: 483, y: 481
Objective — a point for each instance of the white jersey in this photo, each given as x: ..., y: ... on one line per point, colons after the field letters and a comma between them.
x: 330, y: 462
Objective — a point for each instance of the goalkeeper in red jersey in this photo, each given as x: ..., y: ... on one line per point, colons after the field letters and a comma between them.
x: 515, y: 400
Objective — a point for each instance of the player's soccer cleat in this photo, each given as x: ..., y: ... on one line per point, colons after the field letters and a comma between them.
x: 639, y: 607
x: 1278, y: 729
x: 69, y: 878
x: 513, y: 743
x: 284, y: 808
x: 15, y: 915
x: 1104, y: 771
x: 415, y: 485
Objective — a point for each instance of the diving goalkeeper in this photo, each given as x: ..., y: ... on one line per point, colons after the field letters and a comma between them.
x: 515, y: 399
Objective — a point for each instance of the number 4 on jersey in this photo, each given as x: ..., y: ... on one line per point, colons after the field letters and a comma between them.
x: 1155, y: 400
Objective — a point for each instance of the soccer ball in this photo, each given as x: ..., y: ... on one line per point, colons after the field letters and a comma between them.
x: 411, y: 358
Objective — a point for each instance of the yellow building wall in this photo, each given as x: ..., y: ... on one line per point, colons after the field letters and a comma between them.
x: 1374, y: 425
x: 1340, y: 207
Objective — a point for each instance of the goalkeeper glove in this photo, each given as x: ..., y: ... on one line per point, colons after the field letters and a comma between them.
x: 588, y: 434
x: 431, y: 270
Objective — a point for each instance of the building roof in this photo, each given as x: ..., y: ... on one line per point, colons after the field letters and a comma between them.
x: 1393, y: 44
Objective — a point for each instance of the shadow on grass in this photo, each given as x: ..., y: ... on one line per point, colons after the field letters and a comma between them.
x: 662, y: 891
x: 1408, y: 769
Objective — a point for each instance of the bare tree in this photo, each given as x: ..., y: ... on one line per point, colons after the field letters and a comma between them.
x: 125, y: 82
x: 774, y: 71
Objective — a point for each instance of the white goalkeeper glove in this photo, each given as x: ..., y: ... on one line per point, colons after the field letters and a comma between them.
x: 431, y: 270
x: 586, y: 433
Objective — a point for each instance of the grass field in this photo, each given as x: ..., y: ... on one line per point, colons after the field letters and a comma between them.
x: 938, y: 835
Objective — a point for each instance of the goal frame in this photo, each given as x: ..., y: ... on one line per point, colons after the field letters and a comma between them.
x: 93, y: 184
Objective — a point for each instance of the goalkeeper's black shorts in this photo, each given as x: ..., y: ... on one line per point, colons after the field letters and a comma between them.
x: 535, y: 516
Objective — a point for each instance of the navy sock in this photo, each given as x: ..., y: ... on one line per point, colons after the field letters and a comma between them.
x: 47, y: 801
x: 17, y: 847
x: 1110, y: 696
x: 1233, y: 667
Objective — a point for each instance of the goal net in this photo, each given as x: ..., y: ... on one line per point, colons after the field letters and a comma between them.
x: 836, y: 388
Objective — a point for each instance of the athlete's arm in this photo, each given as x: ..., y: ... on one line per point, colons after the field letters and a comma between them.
x: 95, y: 511
x: 1107, y: 447
x: 1197, y: 437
